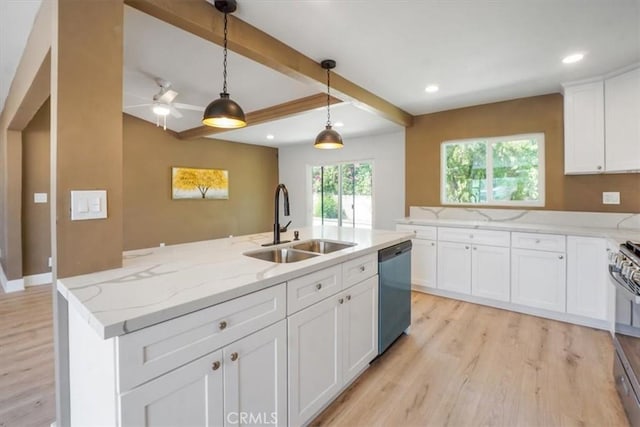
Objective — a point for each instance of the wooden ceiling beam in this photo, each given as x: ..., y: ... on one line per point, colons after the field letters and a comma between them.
x: 275, y: 112
x: 203, y: 20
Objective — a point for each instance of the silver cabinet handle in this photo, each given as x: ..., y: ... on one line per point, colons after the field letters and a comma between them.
x: 475, y: 248
x: 599, y: 167
x: 215, y: 365
x: 537, y: 240
x: 341, y: 300
x: 561, y: 257
x: 234, y: 356
x: 433, y: 244
x: 362, y: 268
x: 319, y: 286
x: 466, y: 247
x: 223, y: 325
x: 348, y: 297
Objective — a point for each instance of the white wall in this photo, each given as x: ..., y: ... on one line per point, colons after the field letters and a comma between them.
x: 387, y: 153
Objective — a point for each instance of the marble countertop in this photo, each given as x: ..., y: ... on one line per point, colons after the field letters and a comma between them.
x: 158, y: 284
x: 618, y: 235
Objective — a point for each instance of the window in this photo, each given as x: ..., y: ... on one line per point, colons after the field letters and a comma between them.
x: 341, y: 194
x: 502, y: 171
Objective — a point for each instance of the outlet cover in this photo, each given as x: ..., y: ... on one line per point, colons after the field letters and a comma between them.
x: 611, y: 198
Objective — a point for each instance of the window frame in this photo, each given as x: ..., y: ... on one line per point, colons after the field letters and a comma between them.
x: 540, y: 140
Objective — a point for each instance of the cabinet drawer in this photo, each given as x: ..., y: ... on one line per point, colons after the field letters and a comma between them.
x: 306, y: 290
x: 541, y: 242
x: 150, y: 352
x: 358, y: 269
x: 421, y: 231
x: 472, y: 235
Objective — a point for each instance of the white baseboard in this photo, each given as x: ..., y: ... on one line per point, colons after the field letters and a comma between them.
x: 10, y: 285
x: 37, y: 279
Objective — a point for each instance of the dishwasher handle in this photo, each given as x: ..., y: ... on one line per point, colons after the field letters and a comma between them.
x: 394, y: 251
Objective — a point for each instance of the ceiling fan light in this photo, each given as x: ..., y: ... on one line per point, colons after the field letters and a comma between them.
x: 328, y: 139
x: 161, y: 109
x: 224, y: 113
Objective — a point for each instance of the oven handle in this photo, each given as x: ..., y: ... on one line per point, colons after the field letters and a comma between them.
x: 621, y: 284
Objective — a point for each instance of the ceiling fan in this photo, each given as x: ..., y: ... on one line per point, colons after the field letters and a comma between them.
x: 162, y: 103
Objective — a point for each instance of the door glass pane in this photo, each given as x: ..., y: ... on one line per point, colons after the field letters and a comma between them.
x: 316, y: 194
x: 363, y: 198
x: 348, y: 195
x: 328, y: 209
x: 515, y: 170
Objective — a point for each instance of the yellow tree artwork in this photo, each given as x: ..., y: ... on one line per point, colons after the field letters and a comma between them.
x: 189, y: 183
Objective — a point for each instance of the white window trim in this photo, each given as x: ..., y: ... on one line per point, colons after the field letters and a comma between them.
x: 539, y: 137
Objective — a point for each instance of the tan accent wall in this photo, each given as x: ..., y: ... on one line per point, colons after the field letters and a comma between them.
x: 536, y: 114
x: 151, y: 217
x: 36, y: 226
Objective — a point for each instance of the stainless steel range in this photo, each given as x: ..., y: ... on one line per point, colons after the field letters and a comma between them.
x: 624, y: 268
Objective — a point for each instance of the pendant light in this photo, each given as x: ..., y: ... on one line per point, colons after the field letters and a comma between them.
x: 224, y: 112
x: 328, y: 139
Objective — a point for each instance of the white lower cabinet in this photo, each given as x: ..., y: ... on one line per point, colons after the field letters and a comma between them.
x: 587, y: 277
x: 424, y: 262
x: 538, y: 279
x: 242, y: 384
x: 329, y: 343
x: 454, y: 267
x: 490, y: 272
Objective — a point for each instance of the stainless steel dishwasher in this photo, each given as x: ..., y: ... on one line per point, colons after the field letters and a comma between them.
x: 394, y: 293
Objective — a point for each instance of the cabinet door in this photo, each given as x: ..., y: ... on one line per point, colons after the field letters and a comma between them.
x: 454, y: 267
x: 188, y: 396
x: 622, y: 118
x: 255, y: 378
x: 538, y: 279
x: 423, y: 262
x: 315, y: 358
x: 360, y: 327
x: 584, y: 128
x: 490, y: 272
x: 587, y: 277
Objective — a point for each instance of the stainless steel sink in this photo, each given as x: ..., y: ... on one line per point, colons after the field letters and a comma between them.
x: 322, y: 246
x: 281, y: 255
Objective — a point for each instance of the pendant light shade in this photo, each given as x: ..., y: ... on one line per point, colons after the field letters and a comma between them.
x: 328, y: 139
x: 224, y: 112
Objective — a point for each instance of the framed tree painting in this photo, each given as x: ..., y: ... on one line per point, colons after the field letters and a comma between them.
x: 190, y: 183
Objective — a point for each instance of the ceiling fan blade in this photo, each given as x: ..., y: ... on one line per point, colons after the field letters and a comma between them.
x: 138, y: 105
x: 168, y: 96
x: 188, y: 106
x: 175, y: 113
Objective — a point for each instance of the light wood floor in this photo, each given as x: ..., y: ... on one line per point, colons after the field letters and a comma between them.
x: 26, y: 358
x: 469, y: 365
x: 463, y: 364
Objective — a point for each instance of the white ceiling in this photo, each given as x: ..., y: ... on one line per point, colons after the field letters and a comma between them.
x: 476, y: 51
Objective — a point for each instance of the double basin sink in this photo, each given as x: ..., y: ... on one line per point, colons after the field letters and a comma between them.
x: 299, y: 251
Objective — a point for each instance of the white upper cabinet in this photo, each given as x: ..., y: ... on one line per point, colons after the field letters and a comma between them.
x: 584, y: 128
x: 622, y: 122
x: 602, y: 125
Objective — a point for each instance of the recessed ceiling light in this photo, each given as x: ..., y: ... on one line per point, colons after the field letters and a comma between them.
x: 575, y: 57
x: 431, y: 88
x: 270, y: 136
x: 338, y: 124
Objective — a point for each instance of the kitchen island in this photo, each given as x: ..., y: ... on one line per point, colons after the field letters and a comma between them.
x: 201, y: 333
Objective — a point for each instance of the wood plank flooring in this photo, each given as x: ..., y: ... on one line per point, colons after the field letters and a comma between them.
x: 470, y: 365
x: 26, y: 358
x: 463, y: 364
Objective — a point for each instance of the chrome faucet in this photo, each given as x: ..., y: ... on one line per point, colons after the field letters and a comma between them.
x: 276, y: 224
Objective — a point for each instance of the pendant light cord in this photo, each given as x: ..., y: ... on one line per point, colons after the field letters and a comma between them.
x: 328, y: 97
x: 224, y: 62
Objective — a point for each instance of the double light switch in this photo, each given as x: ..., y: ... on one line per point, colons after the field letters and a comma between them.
x: 88, y: 205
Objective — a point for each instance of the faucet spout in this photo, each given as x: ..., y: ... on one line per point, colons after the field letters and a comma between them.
x: 276, y: 222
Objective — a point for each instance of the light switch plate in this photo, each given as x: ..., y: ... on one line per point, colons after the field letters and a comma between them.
x: 88, y: 205
x: 611, y: 198
x: 39, y: 197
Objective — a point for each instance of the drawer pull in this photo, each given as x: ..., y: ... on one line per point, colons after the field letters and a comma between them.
x: 362, y: 269
x: 537, y: 240
x: 433, y: 244
x: 475, y: 248
x: 223, y: 325
x: 215, y: 365
x: 561, y: 257
x: 466, y: 247
x: 341, y: 300
x: 234, y: 356
x: 319, y: 286
x: 348, y: 297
